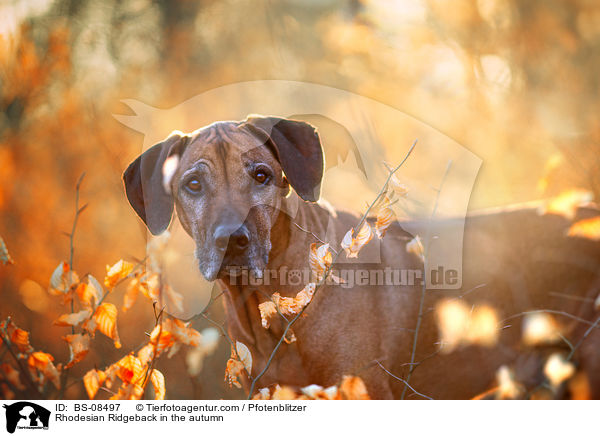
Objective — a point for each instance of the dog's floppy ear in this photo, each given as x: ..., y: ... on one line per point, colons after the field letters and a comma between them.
x: 298, y: 148
x: 144, y: 183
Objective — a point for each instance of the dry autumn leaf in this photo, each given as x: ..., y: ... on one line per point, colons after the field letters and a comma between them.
x: 5, y: 258
x: 293, y: 305
x: 385, y: 217
x: 460, y: 324
x: 17, y: 336
x: 267, y: 310
x: 353, y: 388
x: 92, y: 381
x: 72, y: 319
x: 566, y: 204
x: 539, y: 329
x: 240, y: 360
x: 105, y: 317
x: 158, y: 383
x: 43, y: 362
x: 587, y: 228
x: 557, y: 369
x: 397, y: 187
x: 90, y: 293
x: 62, y: 280
x: 79, y: 346
x: 508, y: 387
x: 117, y: 272
x: 319, y: 259
x: 352, y: 245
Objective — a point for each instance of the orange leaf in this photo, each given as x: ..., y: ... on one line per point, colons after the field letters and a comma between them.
x: 73, y: 319
x: 18, y: 337
x: 232, y: 371
x: 353, y: 388
x: 588, y: 228
x: 131, y: 294
x: 566, y: 203
x: 319, y: 259
x: 106, y: 317
x: 291, y: 306
x: 385, y: 217
x: 92, y: 381
x: 352, y: 245
x: 62, y: 280
x: 267, y: 310
x: 89, y: 293
x: 158, y: 382
x: 130, y: 369
x: 43, y: 363
x: 79, y: 346
x: 117, y: 272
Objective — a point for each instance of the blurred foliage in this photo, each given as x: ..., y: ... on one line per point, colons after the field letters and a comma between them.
x: 515, y: 81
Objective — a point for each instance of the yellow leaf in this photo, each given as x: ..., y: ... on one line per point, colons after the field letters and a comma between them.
x: 72, y: 319
x: 353, y: 388
x: 588, y: 228
x: 566, y: 203
x: 89, y: 293
x: 106, y: 318
x: 352, y: 245
x: 557, y: 369
x: 130, y: 369
x: 117, y: 272
x: 4, y: 256
x: 158, y: 382
x: 92, y: 381
x: 79, y: 346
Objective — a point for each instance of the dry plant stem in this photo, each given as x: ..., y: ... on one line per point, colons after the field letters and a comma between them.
x: 402, y: 380
x: 585, y: 335
x: 78, y: 211
x: 314, y: 236
x: 23, y: 369
x: 326, y: 273
x: 424, y: 285
x: 157, y: 321
x: 555, y: 312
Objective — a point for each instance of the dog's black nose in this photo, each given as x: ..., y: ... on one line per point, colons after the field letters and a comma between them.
x: 235, y: 239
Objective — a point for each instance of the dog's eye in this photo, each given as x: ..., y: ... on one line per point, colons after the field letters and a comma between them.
x: 193, y: 185
x: 261, y: 176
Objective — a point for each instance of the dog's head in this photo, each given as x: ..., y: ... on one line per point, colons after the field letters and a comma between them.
x: 227, y: 181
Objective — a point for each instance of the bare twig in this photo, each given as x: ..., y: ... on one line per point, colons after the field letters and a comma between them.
x: 585, y: 335
x: 315, y: 236
x: 555, y: 312
x: 424, y: 284
x: 406, y: 385
x: 326, y: 274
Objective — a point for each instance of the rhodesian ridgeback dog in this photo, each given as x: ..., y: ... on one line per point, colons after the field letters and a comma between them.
x: 246, y: 193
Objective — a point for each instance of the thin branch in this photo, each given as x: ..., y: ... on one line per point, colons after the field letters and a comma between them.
x: 406, y: 385
x: 424, y: 285
x: 555, y: 312
x: 326, y: 274
x: 585, y: 335
x: 315, y: 236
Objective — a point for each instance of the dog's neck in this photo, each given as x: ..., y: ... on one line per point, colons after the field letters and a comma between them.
x: 290, y: 251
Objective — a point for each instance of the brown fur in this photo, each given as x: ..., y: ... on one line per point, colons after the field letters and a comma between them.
x: 522, y: 259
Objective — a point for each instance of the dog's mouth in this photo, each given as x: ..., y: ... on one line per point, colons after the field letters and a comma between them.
x: 214, y: 265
